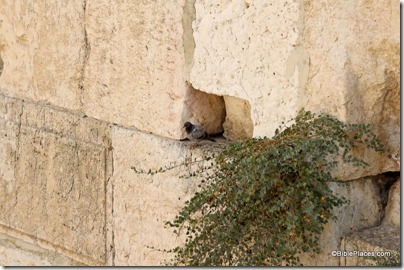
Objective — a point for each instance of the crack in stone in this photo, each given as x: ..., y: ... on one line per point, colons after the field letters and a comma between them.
x: 1, y: 65
x: 87, y: 49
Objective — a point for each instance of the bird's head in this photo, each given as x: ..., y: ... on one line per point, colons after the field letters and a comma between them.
x: 188, y: 126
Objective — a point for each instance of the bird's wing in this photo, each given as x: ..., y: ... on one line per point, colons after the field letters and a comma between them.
x: 198, y: 132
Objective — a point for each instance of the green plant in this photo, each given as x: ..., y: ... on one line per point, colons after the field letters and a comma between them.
x: 264, y: 201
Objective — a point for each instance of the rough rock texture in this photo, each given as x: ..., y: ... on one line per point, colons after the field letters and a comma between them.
x: 204, y: 109
x: 340, y: 58
x: 53, y: 175
x: 70, y: 71
x: 142, y: 203
x: 354, y: 70
x: 238, y: 124
x: 363, y: 211
x: 134, y: 72
x: 381, y: 238
x: 14, y: 252
x: 41, y: 46
x: 392, y: 214
x: 241, y: 50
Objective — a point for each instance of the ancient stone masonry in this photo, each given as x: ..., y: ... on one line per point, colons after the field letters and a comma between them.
x: 89, y: 89
x: 54, y: 172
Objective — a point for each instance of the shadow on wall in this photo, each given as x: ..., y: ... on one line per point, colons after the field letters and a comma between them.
x: 217, y: 114
x: 1, y: 65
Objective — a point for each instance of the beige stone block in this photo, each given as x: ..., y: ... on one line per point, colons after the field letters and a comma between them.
x: 15, y: 252
x: 378, y: 242
x: 392, y: 214
x: 134, y: 75
x: 243, y: 50
x: 54, y: 168
x: 280, y: 58
x: 354, y: 70
x: 43, y: 51
x: 143, y: 203
x: 364, y: 210
x: 354, y: 66
x: 238, y: 124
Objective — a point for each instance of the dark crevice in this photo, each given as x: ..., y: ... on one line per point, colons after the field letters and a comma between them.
x: 384, y: 182
x: 86, y: 55
x: 1, y: 65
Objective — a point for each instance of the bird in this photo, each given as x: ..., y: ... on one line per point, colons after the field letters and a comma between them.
x: 196, y: 132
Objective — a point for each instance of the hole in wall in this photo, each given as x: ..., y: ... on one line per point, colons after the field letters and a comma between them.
x: 219, y: 115
x: 207, y: 110
x: 385, y: 181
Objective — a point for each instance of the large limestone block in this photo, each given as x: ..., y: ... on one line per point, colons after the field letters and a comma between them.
x: 354, y: 61
x: 392, y: 214
x: 142, y: 203
x: 134, y: 75
x: 354, y: 69
x: 43, y: 51
x: 242, y: 50
x: 280, y: 58
x: 363, y: 211
x: 53, y: 173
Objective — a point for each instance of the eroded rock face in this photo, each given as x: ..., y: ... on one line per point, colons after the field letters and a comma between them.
x: 144, y: 201
x: 241, y: 67
x: 364, y: 210
x: 377, y: 240
x: 241, y: 50
x: 238, y: 124
x: 392, y: 214
x: 134, y: 73
x: 41, y: 45
x: 53, y: 170
x: 354, y: 71
x: 280, y: 57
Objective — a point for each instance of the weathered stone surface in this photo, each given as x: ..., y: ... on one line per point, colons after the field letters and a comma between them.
x: 204, y: 109
x: 142, y: 203
x: 354, y: 66
x: 392, y: 214
x: 42, y: 50
x: 14, y: 252
x: 280, y: 58
x: 354, y: 70
x: 363, y: 211
x: 377, y: 239
x: 255, y: 62
x: 238, y: 124
x: 134, y: 74
x: 53, y: 175
x: 241, y: 50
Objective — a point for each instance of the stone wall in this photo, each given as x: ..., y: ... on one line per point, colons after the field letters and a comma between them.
x: 89, y: 89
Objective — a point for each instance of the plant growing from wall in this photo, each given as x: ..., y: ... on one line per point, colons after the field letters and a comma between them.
x: 264, y: 201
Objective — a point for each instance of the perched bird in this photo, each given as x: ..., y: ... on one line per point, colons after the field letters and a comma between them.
x: 196, y: 132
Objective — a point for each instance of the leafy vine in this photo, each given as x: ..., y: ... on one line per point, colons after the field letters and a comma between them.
x: 264, y: 201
